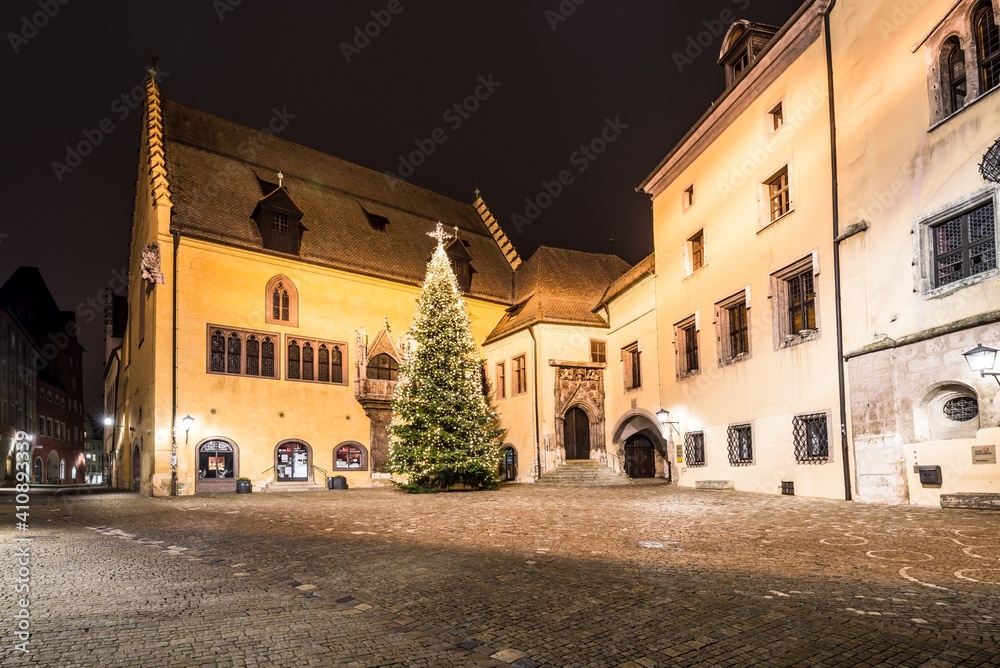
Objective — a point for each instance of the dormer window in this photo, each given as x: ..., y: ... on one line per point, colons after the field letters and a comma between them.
x: 377, y: 222
x: 279, y: 221
x: 461, y: 263
x: 741, y: 46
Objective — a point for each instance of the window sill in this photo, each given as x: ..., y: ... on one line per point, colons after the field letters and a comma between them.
x: 955, y: 286
x: 791, y: 340
x: 684, y: 375
x: 936, y: 124
x: 689, y: 274
x: 776, y: 220
x: 735, y: 359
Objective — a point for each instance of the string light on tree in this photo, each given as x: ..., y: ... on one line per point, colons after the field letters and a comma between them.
x: 444, y: 432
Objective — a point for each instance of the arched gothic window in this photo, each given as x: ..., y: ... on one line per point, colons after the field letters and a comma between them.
x: 218, y: 359
x: 307, y: 361
x: 294, y: 366
x: 253, y: 356
x: 336, y: 365
x: 988, y: 43
x: 282, y: 299
x: 955, y: 85
x: 267, y: 357
x: 233, y: 353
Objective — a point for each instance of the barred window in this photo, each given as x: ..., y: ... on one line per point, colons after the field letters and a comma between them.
x: 694, y: 448
x: 988, y: 45
x: 965, y: 246
x: 253, y: 356
x: 217, y: 360
x: 961, y: 409
x: 233, y: 353
x: 294, y: 361
x: 740, y: 437
x: 240, y: 352
x: 812, y: 443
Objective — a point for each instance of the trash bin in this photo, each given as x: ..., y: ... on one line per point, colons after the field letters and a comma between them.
x: 329, y: 483
x: 338, y: 482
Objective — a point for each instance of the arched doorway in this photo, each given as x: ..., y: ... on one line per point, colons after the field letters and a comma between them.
x: 508, y: 464
x: 218, y: 466
x: 639, y: 461
x: 292, y: 461
x: 576, y: 434
x: 52, y: 468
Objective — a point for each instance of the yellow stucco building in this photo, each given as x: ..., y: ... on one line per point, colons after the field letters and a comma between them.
x: 269, y: 289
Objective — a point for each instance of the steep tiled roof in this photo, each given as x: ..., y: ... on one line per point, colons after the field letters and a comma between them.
x: 215, y: 168
x: 645, y: 267
x: 559, y: 286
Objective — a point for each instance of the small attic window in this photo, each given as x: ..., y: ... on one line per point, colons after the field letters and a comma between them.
x: 516, y: 309
x: 279, y: 222
x: 377, y: 222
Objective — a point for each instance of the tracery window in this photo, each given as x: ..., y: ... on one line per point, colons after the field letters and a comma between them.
x: 281, y: 302
x: 240, y: 352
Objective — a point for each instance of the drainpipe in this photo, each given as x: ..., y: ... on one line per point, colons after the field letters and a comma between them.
x: 173, y: 373
x: 835, y: 191
x: 534, y: 382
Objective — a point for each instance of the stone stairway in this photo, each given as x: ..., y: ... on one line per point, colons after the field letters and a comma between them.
x: 302, y: 486
x: 583, y: 473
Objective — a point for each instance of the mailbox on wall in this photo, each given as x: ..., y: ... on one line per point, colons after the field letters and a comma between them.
x: 930, y: 475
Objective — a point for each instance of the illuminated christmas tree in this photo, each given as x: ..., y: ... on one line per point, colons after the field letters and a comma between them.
x: 443, y: 432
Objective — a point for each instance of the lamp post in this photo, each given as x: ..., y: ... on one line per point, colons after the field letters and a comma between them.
x: 982, y: 360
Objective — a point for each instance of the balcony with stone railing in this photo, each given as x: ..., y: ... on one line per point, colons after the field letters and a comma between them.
x: 371, y: 389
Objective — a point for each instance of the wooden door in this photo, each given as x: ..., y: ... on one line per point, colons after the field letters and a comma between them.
x: 639, y: 462
x: 576, y: 434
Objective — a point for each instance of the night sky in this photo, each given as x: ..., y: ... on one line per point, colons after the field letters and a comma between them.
x: 558, y: 75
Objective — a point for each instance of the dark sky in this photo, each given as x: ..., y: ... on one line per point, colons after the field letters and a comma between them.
x: 560, y: 72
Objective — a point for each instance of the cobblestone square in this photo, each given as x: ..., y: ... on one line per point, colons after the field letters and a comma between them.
x: 525, y: 576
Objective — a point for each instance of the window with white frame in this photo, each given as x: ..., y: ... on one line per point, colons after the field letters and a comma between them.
x: 686, y: 347
x: 632, y: 366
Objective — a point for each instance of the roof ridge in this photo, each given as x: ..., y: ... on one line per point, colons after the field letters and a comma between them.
x: 384, y: 175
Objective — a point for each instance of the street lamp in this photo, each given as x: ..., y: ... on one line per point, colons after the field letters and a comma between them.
x: 664, y: 418
x: 982, y: 358
x: 108, y: 421
x: 188, y: 421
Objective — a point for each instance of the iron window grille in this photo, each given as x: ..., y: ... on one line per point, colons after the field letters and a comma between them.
x: 694, y: 448
x: 740, y: 437
x: 965, y: 246
x: 988, y: 44
x: 961, y: 409
x: 812, y: 443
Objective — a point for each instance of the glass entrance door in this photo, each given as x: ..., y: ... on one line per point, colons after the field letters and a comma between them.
x: 293, y: 462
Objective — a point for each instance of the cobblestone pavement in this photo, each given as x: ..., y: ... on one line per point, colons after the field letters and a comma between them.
x: 525, y: 576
